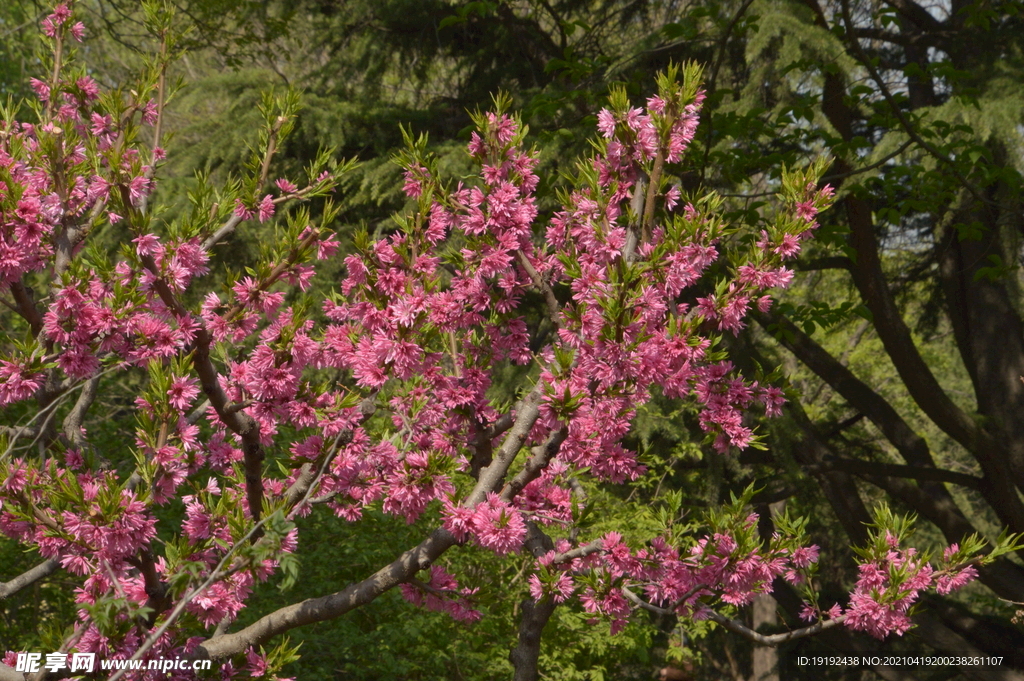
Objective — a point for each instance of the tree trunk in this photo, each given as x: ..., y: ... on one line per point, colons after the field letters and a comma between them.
x: 765, y: 658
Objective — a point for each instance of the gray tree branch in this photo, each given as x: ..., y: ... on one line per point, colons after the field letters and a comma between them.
x: 29, y: 577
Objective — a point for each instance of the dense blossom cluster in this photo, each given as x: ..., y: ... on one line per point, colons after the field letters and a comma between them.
x: 731, y: 565
x: 891, y: 582
x: 425, y: 318
x: 716, y: 566
x: 442, y: 594
x: 113, y: 527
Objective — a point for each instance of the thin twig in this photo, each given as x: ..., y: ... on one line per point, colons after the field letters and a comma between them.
x: 741, y: 629
x: 554, y: 309
x: 47, y: 411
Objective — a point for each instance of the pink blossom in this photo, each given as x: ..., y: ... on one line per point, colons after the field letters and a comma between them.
x: 502, y: 127
x: 672, y: 197
x: 182, y: 392
x: 442, y: 594
x: 149, y: 113
x: 536, y: 587
x: 17, y: 382
x: 476, y: 145
x: 414, y: 179
x: 90, y: 90
x: 422, y: 319
x: 656, y: 104
x: 806, y: 210
x: 327, y: 247
x: 146, y: 245
x: 804, y: 556
x: 42, y: 89
x: 74, y: 459
x: 266, y: 208
x: 788, y: 246
x: 61, y: 13
x: 138, y: 188
x: 606, y: 123
x: 242, y: 211
x: 495, y: 525
x: 947, y: 583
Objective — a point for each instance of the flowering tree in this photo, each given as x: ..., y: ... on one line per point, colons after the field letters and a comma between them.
x: 260, y: 403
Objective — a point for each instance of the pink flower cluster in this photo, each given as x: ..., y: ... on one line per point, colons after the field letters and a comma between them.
x: 716, y: 566
x: 81, y: 164
x: 442, y: 594
x: 18, y: 381
x: 889, y: 585
x: 651, y: 341
x: 732, y: 566
x: 638, y: 132
x: 59, y: 18
x: 494, y: 524
x: 106, y: 528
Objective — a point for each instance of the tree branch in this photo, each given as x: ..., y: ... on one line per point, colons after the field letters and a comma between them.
x: 871, y: 282
x: 877, y: 164
x: 773, y: 639
x: 542, y: 455
x: 917, y: 14
x: 334, y: 605
x: 219, y: 571
x: 73, y: 421
x: 739, y: 628
x: 865, y: 60
x: 8, y: 674
x: 986, y: 324
x: 838, y: 262
x: 1002, y: 576
x: 636, y: 206
x: 402, y: 569
x: 226, y: 229
x: 915, y: 373
x: 29, y: 577
x: 492, y: 477
x: 911, y: 446
x: 233, y: 222
x: 921, y: 474
x: 647, y: 224
x: 723, y: 43
x: 931, y: 499
x: 554, y: 309
x: 578, y: 552
x: 533, y: 616
x: 938, y: 39
x: 861, y: 397
x: 311, y: 472
x: 27, y: 307
x: 240, y: 423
